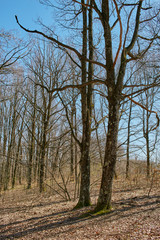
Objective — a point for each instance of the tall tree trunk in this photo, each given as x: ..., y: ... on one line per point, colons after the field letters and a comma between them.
x: 20, y: 166
x: 104, y: 201
x: 11, y: 142
x: 32, y: 142
x: 76, y: 156
x: 128, y: 140
x: 18, y: 151
x: 148, y: 155
x: 46, y: 118
x: 86, y: 94
x: 37, y: 154
x: 3, y: 156
x: 42, y: 163
x: 115, y: 87
x: 8, y: 162
x: 146, y: 136
x: 72, y: 145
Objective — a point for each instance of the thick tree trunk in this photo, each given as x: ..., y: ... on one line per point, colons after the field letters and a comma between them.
x: 104, y: 201
x: 84, y: 199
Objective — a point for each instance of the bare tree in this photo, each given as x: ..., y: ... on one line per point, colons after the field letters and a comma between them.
x: 130, y: 48
x: 32, y: 140
x: 46, y: 66
x: 147, y: 99
x: 19, y: 144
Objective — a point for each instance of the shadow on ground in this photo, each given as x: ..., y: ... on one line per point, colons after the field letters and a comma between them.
x: 61, y: 221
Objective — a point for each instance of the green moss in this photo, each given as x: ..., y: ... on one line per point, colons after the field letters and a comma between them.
x: 101, y: 212
x: 95, y: 213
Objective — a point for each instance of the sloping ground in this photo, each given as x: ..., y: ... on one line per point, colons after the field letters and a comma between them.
x: 28, y: 215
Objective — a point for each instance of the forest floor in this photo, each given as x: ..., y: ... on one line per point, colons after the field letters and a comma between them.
x: 25, y: 214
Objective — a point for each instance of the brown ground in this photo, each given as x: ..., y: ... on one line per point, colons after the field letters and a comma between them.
x: 29, y: 215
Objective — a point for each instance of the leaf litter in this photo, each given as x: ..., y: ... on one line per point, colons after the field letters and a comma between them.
x: 29, y: 215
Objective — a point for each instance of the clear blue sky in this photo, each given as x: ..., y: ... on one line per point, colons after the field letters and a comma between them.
x: 28, y: 11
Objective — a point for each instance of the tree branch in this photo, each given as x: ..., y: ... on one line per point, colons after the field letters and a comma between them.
x: 131, y: 45
x: 60, y: 44
x: 120, y: 36
x: 139, y: 55
x: 50, y: 38
x: 78, y: 86
x: 69, y: 122
x: 140, y: 105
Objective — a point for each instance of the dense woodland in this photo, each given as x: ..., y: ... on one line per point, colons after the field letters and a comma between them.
x: 81, y: 105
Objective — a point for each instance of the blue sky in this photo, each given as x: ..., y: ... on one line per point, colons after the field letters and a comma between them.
x: 28, y: 11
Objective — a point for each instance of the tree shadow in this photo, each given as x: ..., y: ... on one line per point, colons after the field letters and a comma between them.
x: 60, y: 220
x: 24, y: 208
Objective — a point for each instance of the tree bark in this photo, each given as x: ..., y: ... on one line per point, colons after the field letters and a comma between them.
x: 128, y: 140
x: 104, y: 200
x: 84, y: 198
x: 115, y: 87
x: 32, y: 142
x: 42, y: 161
x: 11, y: 142
x: 18, y: 149
x: 86, y: 95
